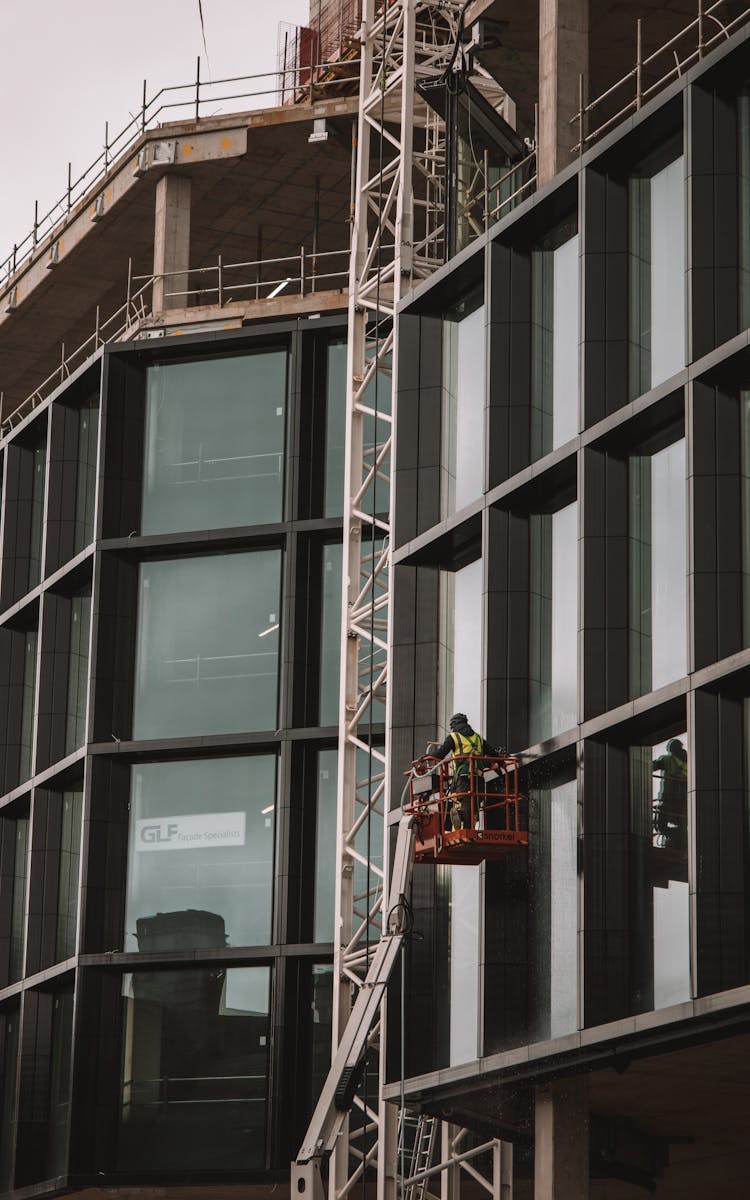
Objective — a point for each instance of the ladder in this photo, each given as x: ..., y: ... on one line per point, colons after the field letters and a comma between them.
x: 416, y: 1155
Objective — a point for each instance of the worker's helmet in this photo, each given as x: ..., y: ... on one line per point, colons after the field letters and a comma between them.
x: 676, y: 748
x: 458, y: 719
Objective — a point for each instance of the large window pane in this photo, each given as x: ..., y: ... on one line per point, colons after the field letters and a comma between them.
x: 88, y: 437
x: 28, y: 706
x: 214, y: 448
x: 553, y: 622
x: 38, y: 485
x: 78, y: 671
x: 194, y: 1070
x: 320, y: 1034
x: 554, y: 341
x: 18, y: 899
x: 60, y: 1083
x: 69, y: 865
x: 463, y: 405
x: 657, y: 270
x: 200, y: 865
x: 9, y: 1029
x: 208, y: 645
x: 659, y: 864
x: 658, y: 570
x: 330, y: 636
x: 333, y: 489
x: 325, y: 847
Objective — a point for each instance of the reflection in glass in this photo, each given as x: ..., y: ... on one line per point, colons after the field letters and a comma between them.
x: 553, y: 622
x: 88, y: 437
x: 330, y: 636
x: 553, y: 909
x: 9, y: 1027
x: 657, y: 270
x: 67, y: 883
x: 60, y: 1083
x: 745, y: 481
x: 194, y: 1069
x: 28, y: 705
x: 659, y: 858
x: 555, y: 334
x: 463, y: 405
x: 18, y: 899
x: 320, y: 1034
x: 333, y: 490
x: 214, y: 451
x: 658, y: 568
x: 325, y: 846
x: 208, y: 645
x: 461, y: 690
x: 743, y: 180
x: 78, y: 671
x: 200, y: 861
x: 38, y: 484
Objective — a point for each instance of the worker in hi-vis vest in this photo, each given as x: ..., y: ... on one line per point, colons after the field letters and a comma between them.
x: 460, y: 742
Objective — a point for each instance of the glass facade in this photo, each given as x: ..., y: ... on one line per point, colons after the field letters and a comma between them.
x: 657, y: 270
x: 330, y: 636
x: 60, y: 1083
x: 658, y: 568
x: 68, y: 881
x: 200, y: 863
x: 463, y: 405
x: 333, y: 483
x: 10, y: 1027
x: 36, y: 528
x: 85, y: 504
x: 78, y: 671
x: 553, y: 622
x: 659, y: 886
x: 20, y: 883
x: 555, y: 336
x: 214, y: 451
x: 208, y: 645
x: 325, y: 846
x: 194, y: 1069
x: 28, y: 701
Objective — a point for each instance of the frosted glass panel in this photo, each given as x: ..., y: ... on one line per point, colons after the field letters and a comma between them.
x: 553, y: 910
x: 463, y: 411
x: 553, y: 622
x: 565, y: 343
x: 667, y: 272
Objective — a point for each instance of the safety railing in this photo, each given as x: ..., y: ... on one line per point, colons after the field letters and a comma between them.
x: 221, y: 284
x: 651, y: 73
x: 187, y: 101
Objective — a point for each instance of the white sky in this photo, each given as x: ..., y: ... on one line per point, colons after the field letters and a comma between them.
x: 67, y: 68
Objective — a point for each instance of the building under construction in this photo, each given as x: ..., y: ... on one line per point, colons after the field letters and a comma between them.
x: 413, y: 381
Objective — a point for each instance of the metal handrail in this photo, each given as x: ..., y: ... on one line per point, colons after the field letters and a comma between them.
x: 634, y: 77
x: 193, y: 96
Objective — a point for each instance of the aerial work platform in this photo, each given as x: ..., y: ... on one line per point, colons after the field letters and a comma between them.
x: 468, y: 808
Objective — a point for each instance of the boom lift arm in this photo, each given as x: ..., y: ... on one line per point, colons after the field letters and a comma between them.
x: 338, y: 1091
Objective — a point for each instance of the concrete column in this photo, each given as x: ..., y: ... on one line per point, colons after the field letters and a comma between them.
x: 561, y: 1140
x: 563, y: 57
x: 171, y: 240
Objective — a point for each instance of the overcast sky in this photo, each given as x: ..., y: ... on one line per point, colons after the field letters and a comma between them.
x: 68, y: 68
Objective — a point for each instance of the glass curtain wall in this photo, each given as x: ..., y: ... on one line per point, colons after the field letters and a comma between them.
x: 658, y: 568
x: 9, y: 1024
x: 656, y: 195
x: 214, y: 452
x: 660, y: 899
x: 88, y: 439
x: 745, y: 484
x: 18, y: 898
x: 201, y: 850
x: 463, y: 405
x: 28, y: 706
x: 194, y: 1070
x: 555, y: 334
x: 330, y: 636
x: 333, y: 485
x: 553, y: 908
x: 553, y: 622
x: 78, y: 671
x: 60, y: 1083
x: 38, y: 486
x: 207, y: 653
x: 67, y: 880
x: 743, y: 181
x: 325, y: 847
x: 461, y: 675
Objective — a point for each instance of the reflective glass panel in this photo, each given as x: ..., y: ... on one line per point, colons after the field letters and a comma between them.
x: 28, y: 704
x: 553, y: 622
x: 38, y: 485
x: 743, y: 179
x: 657, y: 269
x: 325, y: 847
x: 333, y: 491
x: 659, y: 862
x: 200, y: 863
x: 330, y: 636
x: 88, y: 438
x: 555, y: 335
x: 18, y: 899
x: 78, y: 671
x: 208, y: 645
x: 463, y: 405
x: 745, y: 483
x: 69, y: 866
x: 194, y: 1069
x: 658, y: 569
x: 214, y: 451
x: 9, y: 1028
x: 60, y: 1083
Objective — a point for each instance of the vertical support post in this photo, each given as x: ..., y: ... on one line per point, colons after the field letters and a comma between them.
x: 36, y: 220
x: 302, y: 270
x: 70, y: 180
x: 638, y: 63
x: 561, y: 1140
x: 700, y: 29
x: 563, y: 55
x: 450, y: 1177
x: 171, y: 239
x: 581, y: 127
x: 198, y: 88
x: 143, y: 108
x: 130, y: 287
x: 106, y: 147
x: 221, y: 282
x: 96, y: 330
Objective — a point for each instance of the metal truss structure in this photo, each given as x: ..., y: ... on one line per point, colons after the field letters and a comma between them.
x: 398, y: 237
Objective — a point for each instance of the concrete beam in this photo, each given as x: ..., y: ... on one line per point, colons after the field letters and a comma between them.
x: 561, y: 1140
x: 171, y: 241
x: 563, y: 58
